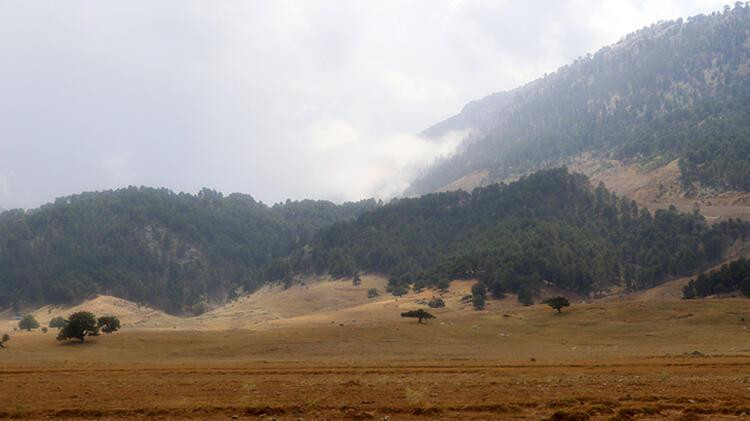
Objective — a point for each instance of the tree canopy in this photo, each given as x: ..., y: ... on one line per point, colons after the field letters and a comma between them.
x: 78, y: 326
x: 169, y: 250
x: 420, y: 314
x: 28, y: 322
x: 730, y: 278
x: 551, y: 227
x: 558, y: 303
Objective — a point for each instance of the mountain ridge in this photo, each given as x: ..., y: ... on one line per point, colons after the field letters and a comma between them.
x: 674, y: 90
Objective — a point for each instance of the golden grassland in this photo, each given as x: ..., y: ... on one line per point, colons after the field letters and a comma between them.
x: 629, y: 359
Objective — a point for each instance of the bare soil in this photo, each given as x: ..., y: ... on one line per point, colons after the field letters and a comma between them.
x: 634, y: 359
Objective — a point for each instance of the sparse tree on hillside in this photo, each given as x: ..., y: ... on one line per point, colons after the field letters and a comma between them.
x: 525, y: 297
x: 443, y: 284
x: 478, y: 301
x: 436, y: 302
x: 356, y: 281
x: 28, y: 323
x: 372, y: 293
x: 558, y: 303
x: 418, y: 314
x: 108, y: 324
x: 4, y: 339
x: 80, y: 325
x: 479, y: 296
x: 58, y: 322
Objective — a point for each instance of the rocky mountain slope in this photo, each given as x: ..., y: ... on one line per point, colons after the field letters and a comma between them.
x: 674, y: 91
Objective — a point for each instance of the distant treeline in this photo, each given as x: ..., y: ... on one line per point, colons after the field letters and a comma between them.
x: 181, y: 251
x: 550, y: 227
x: 728, y: 279
x: 170, y: 250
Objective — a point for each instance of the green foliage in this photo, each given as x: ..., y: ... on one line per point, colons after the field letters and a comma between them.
x: 443, y: 284
x: 728, y: 279
x: 436, y: 302
x: 397, y: 287
x: 558, y: 303
x: 478, y: 301
x: 57, y: 322
x: 372, y: 293
x: 673, y: 90
x: 551, y: 227
x: 479, y: 296
x: 420, y: 314
x: 356, y: 281
x: 108, y: 324
x: 169, y: 250
x: 28, y: 322
x: 80, y: 325
x: 525, y: 296
x: 5, y: 338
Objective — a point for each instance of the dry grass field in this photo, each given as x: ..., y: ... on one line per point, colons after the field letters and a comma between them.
x: 356, y: 359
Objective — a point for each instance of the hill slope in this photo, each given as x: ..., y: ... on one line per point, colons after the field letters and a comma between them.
x: 550, y: 228
x: 674, y: 90
x: 172, y: 251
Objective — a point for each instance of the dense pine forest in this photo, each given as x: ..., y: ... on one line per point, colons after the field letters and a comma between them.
x: 674, y: 90
x: 728, y: 279
x: 173, y: 251
x: 548, y: 228
x: 181, y: 251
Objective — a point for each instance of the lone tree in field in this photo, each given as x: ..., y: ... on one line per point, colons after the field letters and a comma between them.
x: 558, y: 303
x: 479, y: 296
x: 372, y: 293
x: 28, y: 322
x: 356, y: 281
x: 57, y: 322
x: 418, y: 314
x: 80, y: 325
x: 108, y: 324
x: 3, y: 340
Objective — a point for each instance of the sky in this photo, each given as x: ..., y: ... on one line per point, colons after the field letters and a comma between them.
x: 277, y: 99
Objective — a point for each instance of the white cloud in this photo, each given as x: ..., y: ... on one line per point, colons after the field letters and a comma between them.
x: 277, y: 99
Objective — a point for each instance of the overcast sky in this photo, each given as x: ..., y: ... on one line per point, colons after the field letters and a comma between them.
x: 278, y: 99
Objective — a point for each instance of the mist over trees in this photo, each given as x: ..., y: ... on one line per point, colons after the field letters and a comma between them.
x: 674, y: 90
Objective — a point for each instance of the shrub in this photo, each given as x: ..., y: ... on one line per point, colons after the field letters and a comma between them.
x: 418, y: 314
x: 478, y: 302
x: 372, y: 293
x: 108, y: 324
x: 57, y: 322
x: 28, y: 322
x: 436, y: 302
x: 558, y: 303
x: 525, y: 297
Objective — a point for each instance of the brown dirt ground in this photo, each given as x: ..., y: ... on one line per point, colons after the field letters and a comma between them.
x: 633, y: 359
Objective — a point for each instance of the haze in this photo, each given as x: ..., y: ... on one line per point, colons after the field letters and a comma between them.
x: 318, y: 99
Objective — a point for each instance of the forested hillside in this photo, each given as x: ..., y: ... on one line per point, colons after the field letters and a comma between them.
x: 550, y: 227
x: 173, y: 251
x: 728, y: 279
x: 674, y: 90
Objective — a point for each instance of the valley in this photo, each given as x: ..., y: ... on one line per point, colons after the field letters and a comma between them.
x: 283, y: 353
